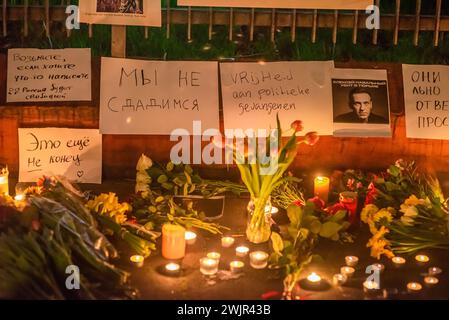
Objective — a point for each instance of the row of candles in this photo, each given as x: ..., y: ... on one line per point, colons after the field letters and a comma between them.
x: 175, y: 239
x: 347, y: 271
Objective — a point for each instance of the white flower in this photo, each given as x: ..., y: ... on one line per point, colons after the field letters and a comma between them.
x: 144, y: 163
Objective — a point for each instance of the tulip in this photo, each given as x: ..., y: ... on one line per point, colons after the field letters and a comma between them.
x: 297, y: 126
x: 311, y: 138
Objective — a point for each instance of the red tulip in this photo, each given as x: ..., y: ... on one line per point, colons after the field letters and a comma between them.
x: 311, y: 138
x: 297, y: 126
x: 319, y: 204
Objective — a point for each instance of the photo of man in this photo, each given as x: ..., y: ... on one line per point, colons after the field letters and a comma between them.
x: 360, y: 102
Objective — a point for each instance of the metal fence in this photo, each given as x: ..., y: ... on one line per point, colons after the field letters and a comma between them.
x: 41, y: 11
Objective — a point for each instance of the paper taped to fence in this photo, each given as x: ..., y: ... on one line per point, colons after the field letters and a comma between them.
x: 121, y: 12
x: 289, y: 4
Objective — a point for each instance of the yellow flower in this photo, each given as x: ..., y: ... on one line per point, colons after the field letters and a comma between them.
x: 108, y: 205
x: 386, y: 214
x: 379, y: 245
x: 368, y: 213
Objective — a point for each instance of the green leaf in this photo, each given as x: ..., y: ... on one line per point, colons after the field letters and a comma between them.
x: 394, y: 171
x: 339, y: 216
x: 162, y: 178
x: 277, y: 243
x: 294, y: 214
x: 170, y: 166
x: 329, y: 229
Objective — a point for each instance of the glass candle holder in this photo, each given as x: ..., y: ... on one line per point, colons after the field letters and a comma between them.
x: 241, y: 251
x: 433, y: 271
x: 190, y: 237
x: 227, y: 242
x: 349, y: 200
x: 422, y: 259
x: 313, y: 280
x: 4, y: 175
x: 214, y: 255
x: 173, y: 242
x: 414, y: 287
x: 431, y: 281
x: 236, y: 266
x: 351, y: 261
x: 137, y: 260
x: 208, y: 266
x: 339, y: 279
x: 347, y: 271
x: 258, y: 259
x: 371, y: 287
x: 398, y: 262
x: 321, y: 188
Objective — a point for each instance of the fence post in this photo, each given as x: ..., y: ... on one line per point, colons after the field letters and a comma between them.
x: 118, y: 41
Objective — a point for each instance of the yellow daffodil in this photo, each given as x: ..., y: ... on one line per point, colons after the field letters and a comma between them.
x: 384, y: 216
x: 368, y: 213
x: 108, y: 205
x: 379, y: 245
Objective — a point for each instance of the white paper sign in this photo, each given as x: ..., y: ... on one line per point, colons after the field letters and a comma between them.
x: 253, y: 93
x: 130, y: 12
x: 156, y: 97
x: 49, y: 75
x: 361, y: 103
x: 292, y: 4
x: 73, y: 153
x: 426, y: 98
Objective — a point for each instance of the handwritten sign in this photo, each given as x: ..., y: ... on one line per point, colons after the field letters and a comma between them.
x: 253, y: 93
x: 292, y: 4
x: 49, y: 75
x: 153, y: 97
x: 132, y: 13
x: 73, y: 153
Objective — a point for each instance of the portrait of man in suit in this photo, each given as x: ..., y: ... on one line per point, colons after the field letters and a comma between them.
x: 360, y: 104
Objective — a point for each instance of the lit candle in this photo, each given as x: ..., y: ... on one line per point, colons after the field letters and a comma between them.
x: 172, y: 268
x: 208, y: 266
x: 378, y: 266
x: 371, y: 286
x: 431, y: 281
x: 227, y: 242
x: 236, y: 266
x: 214, y: 255
x: 274, y: 210
x: 137, y: 260
x: 351, y: 261
x: 414, y: 287
x: 433, y: 271
x: 422, y: 259
x: 339, y: 279
x: 173, y: 242
x: 398, y: 261
x: 241, y: 251
x: 19, y: 197
x: 258, y: 259
x: 347, y: 271
x: 313, y: 280
x: 349, y: 201
x: 4, y: 186
x: 190, y: 237
x: 321, y: 188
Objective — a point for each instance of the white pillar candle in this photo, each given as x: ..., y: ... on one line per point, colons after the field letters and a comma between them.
x: 258, y: 259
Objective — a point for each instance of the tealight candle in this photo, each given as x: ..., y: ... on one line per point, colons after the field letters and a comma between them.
x: 431, y: 281
x: 208, y: 266
x: 19, y: 197
x: 190, y: 237
x: 236, y: 266
x: 371, y: 286
x: 433, y: 271
x: 351, y: 261
x: 321, y: 188
x: 214, y: 255
x: 378, y: 266
x: 173, y: 242
x: 422, y: 259
x: 258, y: 259
x: 227, y: 242
x: 137, y: 260
x: 339, y: 279
x: 313, y: 280
x: 398, y: 261
x: 414, y: 287
x: 347, y: 271
x: 4, y: 186
x: 172, y: 268
x: 241, y: 251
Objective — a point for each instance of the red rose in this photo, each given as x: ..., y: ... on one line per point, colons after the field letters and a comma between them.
x: 297, y: 126
x: 319, y: 204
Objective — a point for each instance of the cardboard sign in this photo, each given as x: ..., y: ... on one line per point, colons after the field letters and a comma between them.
x: 73, y: 153
x: 289, y: 4
x: 49, y: 75
x: 125, y: 12
x: 361, y: 103
x: 253, y: 93
x: 426, y: 101
x: 155, y: 97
